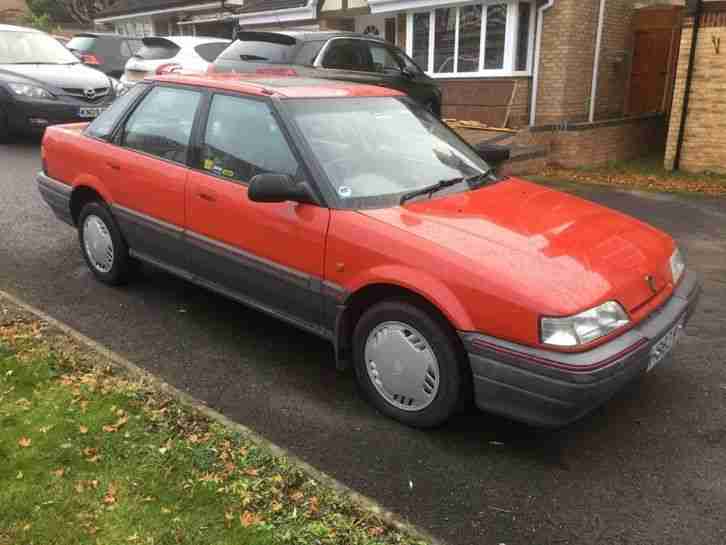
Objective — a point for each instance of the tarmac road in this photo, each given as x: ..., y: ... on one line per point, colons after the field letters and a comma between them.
x: 648, y: 468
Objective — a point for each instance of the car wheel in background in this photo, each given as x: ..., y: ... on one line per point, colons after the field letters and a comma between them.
x: 102, y: 244
x: 408, y: 364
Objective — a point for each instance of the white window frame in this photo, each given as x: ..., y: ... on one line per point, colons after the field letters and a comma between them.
x: 510, y: 41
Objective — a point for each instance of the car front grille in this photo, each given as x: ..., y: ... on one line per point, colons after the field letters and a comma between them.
x: 84, y: 94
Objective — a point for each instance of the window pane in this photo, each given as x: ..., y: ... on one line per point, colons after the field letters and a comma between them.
x: 162, y: 124
x: 383, y: 59
x: 523, y: 37
x: 469, y: 38
x: 240, y: 155
x: 496, y: 33
x: 444, y: 37
x: 103, y: 125
x: 421, y: 22
x: 348, y: 55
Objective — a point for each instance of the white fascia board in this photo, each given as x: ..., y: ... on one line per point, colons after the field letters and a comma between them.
x: 195, y: 7
x: 304, y: 13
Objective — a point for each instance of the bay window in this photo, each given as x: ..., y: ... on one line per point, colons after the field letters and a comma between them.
x: 486, y: 38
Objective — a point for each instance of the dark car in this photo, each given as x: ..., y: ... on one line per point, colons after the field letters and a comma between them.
x: 343, y: 56
x: 109, y: 53
x: 42, y: 83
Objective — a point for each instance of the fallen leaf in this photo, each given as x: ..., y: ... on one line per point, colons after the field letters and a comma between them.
x: 83, y: 430
x: 275, y: 506
x: 25, y: 442
x: 314, y: 505
x: 251, y: 472
x: 297, y: 496
x: 248, y: 519
x: 110, y: 497
x: 376, y: 531
x: 59, y: 472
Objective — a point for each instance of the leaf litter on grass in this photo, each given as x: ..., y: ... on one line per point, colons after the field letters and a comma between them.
x: 121, y: 462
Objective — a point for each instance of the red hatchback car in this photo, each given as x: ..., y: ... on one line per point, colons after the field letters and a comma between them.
x: 352, y: 212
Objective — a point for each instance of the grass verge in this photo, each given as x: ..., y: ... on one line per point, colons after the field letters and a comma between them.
x: 642, y: 174
x: 90, y: 456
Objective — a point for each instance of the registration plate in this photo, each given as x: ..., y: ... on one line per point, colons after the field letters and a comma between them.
x: 89, y: 113
x: 665, y: 345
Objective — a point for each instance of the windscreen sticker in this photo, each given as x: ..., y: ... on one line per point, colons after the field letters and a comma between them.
x: 209, y: 164
x: 228, y: 173
x: 345, y: 192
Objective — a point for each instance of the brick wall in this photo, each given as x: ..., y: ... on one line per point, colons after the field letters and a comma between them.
x: 11, y: 11
x: 614, y: 59
x: 601, y: 142
x: 704, y: 144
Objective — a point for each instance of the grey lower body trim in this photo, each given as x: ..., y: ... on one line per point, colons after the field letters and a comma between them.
x: 231, y: 294
x: 57, y: 196
x: 525, y: 384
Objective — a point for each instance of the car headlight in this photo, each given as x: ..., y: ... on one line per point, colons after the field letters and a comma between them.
x: 678, y: 265
x: 585, y: 327
x: 30, y: 91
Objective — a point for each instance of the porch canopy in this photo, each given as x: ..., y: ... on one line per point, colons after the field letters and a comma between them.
x: 267, y: 12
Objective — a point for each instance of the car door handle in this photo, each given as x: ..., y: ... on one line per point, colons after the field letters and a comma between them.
x: 207, y: 197
x: 114, y: 166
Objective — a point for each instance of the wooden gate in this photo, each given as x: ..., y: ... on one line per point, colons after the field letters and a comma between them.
x: 656, y: 41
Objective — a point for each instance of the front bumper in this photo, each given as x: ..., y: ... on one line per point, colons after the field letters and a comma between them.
x: 33, y: 116
x: 551, y: 389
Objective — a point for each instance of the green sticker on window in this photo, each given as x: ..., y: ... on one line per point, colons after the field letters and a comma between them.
x: 209, y: 164
x: 228, y: 173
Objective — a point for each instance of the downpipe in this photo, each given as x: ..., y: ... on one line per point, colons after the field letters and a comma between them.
x: 538, y: 53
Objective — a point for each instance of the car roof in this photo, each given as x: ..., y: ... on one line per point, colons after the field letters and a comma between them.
x: 280, y: 86
x: 11, y: 28
x: 186, y: 41
x: 104, y: 35
x: 315, y: 35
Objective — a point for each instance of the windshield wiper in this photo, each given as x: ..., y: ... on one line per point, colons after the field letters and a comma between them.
x: 475, y: 181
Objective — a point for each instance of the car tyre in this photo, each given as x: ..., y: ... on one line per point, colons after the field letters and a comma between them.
x: 408, y: 363
x: 104, y: 248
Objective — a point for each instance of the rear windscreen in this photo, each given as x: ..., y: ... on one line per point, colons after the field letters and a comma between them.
x: 82, y: 43
x: 157, y: 50
x: 261, y: 47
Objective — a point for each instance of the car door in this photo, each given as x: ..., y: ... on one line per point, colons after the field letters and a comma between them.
x: 150, y: 170
x: 388, y: 68
x: 267, y: 255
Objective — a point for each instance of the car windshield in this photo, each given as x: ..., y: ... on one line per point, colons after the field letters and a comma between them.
x: 32, y: 48
x: 375, y: 150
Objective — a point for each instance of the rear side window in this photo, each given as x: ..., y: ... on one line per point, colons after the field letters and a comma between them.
x: 264, y: 47
x: 162, y: 124
x: 243, y: 139
x: 348, y: 55
x: 157, y: 50
x: 308, y: 53
x: 82, y: 43
x: 383, y: 58
x: 104, y: 125
x: 210, y: 52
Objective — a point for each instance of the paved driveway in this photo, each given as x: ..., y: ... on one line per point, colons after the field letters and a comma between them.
x: 648, y: 468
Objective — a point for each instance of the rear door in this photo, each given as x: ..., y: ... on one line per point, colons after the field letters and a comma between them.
x: 150, y: 174
x: 267, y: 255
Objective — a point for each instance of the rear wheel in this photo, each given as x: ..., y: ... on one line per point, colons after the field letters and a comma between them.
x: 102, y: 244
x: 408, y: 364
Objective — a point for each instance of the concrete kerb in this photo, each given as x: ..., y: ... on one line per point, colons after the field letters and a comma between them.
x: 361, y: 501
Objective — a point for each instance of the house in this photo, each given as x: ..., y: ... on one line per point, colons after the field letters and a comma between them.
x: 12, y: 11
x: 560, y: 70
x: 697, y: 130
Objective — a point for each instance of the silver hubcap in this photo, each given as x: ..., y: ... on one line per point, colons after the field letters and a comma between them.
x: 98, y: 242
x: 402, y: 366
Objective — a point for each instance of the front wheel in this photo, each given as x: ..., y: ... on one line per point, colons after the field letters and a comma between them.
x: 407, y: 364
x: 4, y: 128
x: 102, y: 244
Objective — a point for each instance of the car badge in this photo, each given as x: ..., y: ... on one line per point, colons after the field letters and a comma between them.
x: 650, y: 279
x: 90, y: 94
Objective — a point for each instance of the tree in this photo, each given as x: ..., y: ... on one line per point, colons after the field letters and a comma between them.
x: 56, y: 12
x: 85, y: 11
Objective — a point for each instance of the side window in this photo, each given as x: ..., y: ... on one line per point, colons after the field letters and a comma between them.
x: 383, y: 58
x: 348, y: 55
x: 210, y: 52
x: 243, y: 139
x: 411, y: 66
x: 162, y: 124
x: 308, y: 53
x: 104, y: 125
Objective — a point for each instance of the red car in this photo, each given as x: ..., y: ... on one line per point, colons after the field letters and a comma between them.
x: 352, y: 212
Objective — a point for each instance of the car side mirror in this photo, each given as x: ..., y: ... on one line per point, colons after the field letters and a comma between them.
x: 271, y: 188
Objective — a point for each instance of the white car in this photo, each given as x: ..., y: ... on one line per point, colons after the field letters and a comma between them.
x: 168, y: 54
